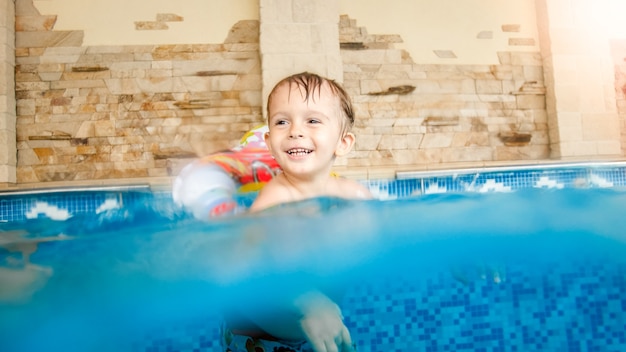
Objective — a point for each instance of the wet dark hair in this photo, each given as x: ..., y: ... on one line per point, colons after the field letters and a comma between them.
x: 311, y: 84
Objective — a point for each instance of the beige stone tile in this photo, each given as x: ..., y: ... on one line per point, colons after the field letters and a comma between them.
x: 7, y: 175
x: 600, y: 127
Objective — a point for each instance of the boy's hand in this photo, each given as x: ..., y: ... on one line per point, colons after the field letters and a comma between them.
x: 322, y: 324
x: 326, y: 333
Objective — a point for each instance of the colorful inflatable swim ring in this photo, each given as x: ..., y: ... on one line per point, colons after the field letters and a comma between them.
x: 207, y: 186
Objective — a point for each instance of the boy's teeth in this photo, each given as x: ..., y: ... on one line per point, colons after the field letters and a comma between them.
x: 299, y: 151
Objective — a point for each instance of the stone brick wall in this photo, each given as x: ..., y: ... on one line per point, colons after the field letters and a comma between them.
x: 298, y: 36
x: 581, y: 100
x: 91, y: 113
x: 7, y: 91
x: 618, y: 49
x: 423, y: 115
x: 105, y: 112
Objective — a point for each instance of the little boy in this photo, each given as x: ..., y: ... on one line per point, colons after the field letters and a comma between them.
x: 309, y: 118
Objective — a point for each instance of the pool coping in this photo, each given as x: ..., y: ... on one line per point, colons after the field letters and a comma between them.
x: 403, y: 175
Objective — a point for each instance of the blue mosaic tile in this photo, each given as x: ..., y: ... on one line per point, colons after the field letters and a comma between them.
x: 524, y: 313
x: 607, y: 177
x: 66, y: 204
x: 200, y: 335
x: 394, y: 189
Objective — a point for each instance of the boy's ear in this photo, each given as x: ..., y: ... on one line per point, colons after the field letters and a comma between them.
x: 345, y: 144
x: 266, y: 136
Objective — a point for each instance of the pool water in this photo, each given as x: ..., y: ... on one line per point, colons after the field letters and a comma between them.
x: 533, y: 269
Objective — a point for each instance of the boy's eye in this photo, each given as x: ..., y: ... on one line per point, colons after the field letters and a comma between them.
x: 280, y: 122
x: 314, y: 121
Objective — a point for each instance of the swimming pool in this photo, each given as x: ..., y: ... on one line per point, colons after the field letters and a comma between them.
x: 524, y: 259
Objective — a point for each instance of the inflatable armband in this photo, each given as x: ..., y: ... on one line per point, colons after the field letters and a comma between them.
x: 207, y: 186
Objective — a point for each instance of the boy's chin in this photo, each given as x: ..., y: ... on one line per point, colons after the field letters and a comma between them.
x: 300, y: 172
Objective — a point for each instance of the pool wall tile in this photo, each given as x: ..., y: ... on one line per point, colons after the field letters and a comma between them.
x: 63, y: 205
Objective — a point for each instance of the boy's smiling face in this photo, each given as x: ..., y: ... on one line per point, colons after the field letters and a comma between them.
x: 305, y: 135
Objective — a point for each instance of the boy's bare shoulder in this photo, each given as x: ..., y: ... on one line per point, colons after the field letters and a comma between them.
x: 352, y: 189
x: 273, y: 193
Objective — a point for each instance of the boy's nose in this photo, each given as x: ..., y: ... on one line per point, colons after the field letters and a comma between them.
x: 295, y: 132
x: 295, y: 135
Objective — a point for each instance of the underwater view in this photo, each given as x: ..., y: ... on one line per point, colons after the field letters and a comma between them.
x: 536, y: 269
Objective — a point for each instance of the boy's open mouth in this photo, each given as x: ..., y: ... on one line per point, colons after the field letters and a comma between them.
x: 299, y: 151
